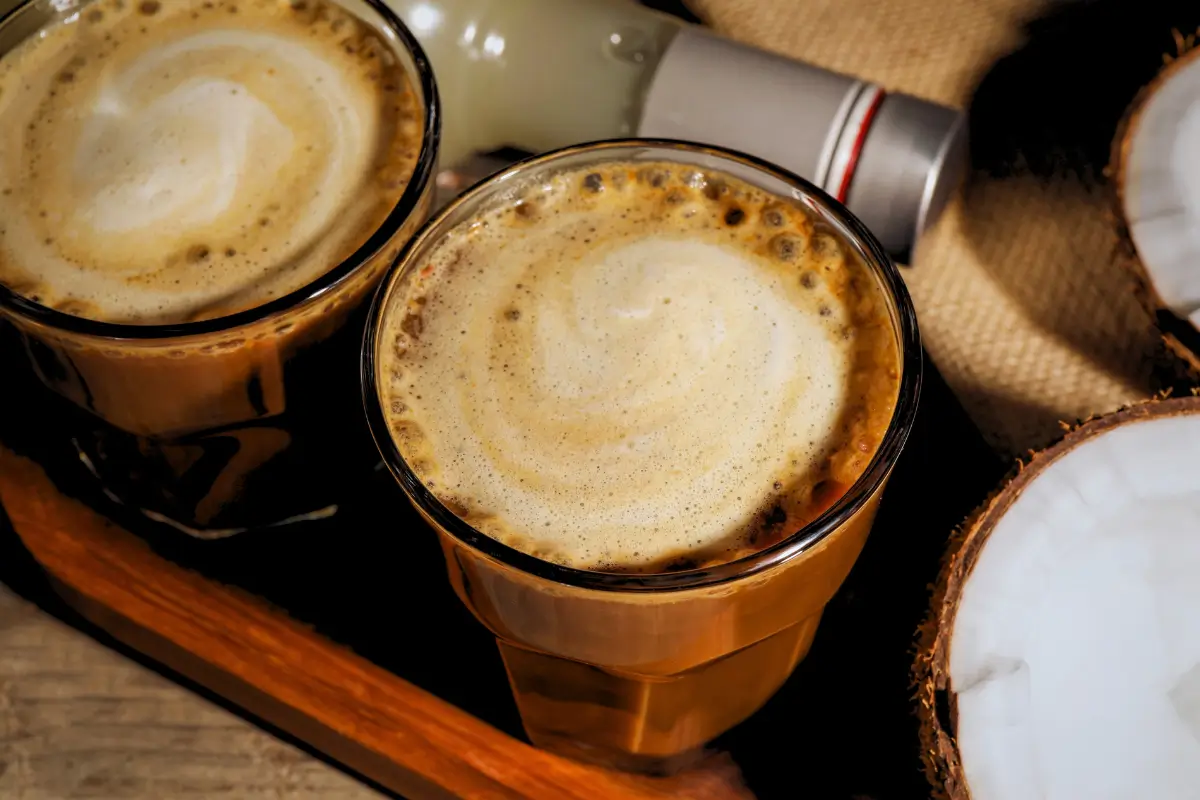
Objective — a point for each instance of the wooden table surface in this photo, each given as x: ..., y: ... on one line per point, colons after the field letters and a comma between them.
x: 78, y: 720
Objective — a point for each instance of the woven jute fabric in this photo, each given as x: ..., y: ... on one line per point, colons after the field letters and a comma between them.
x: 1022, y: 304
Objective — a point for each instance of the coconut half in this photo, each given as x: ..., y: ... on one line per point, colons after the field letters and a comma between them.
x: 1061, y: 659
x: 1155, y: 170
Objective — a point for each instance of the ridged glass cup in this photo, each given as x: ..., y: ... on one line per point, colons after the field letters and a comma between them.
x: 233, y: 423
x: 639, y: 671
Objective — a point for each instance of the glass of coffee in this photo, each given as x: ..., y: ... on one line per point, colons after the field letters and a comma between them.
x: 196, y: 198
x: 648, y: 394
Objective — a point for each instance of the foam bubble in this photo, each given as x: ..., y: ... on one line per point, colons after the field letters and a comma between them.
x: 616, y: 374
x: 182, y: 160
x: 179, y: 160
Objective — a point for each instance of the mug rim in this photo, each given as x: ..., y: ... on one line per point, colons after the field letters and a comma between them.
x: 788, y: 548
x: 314, y: 290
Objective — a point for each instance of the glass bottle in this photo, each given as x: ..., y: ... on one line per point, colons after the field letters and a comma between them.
x: 542, y: 74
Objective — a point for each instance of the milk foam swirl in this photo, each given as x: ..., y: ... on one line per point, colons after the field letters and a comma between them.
x: 170, y: 161
x: 614, y: 391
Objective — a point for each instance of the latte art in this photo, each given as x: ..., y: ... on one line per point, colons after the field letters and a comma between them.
x: 621, y: 371
x: 182, y: 160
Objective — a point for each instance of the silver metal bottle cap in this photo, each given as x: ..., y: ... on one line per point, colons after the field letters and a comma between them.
x: 913, y: 156
x: 894, y: 160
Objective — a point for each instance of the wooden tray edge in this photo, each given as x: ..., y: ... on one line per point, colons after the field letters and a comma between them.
x: 374, y: 722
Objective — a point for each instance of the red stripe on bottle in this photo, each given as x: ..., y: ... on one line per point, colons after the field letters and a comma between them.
x: 863, y: 128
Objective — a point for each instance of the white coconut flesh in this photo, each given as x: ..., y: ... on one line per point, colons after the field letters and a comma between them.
x: 1075, y: 649
x: 1161, y: 188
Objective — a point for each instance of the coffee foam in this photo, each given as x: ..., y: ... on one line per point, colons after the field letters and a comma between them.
x: 163, y: 162
x: 638, y: 366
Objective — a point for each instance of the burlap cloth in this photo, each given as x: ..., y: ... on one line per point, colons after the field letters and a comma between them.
x: 1022, y: 305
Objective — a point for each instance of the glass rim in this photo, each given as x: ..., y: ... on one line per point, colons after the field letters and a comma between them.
x: 793, y: 545
x: 312, y: 291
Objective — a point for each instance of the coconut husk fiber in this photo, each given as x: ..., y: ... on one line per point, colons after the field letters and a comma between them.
x: 1023, y: 304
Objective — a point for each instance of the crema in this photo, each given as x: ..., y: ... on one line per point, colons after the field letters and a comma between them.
x: 639, y: 367
x: 180, y: 160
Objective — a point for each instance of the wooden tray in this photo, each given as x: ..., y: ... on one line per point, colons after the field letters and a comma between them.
x: 346, y: 636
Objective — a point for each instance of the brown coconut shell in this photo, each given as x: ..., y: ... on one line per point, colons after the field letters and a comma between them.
x: 935, y: 698
x: 1179, y: 336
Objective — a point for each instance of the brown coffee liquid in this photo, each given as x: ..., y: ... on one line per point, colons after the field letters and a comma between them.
x: 639, y: 367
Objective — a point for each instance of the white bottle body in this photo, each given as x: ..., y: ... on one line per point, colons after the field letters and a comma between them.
x: 537, y: 74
